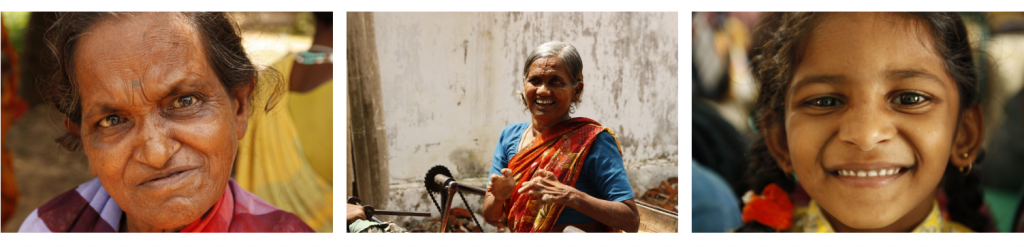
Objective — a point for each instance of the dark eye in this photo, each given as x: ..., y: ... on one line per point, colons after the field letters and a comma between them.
x: 909, y: 99
x: 182, y: 102
x: 110, y: 121
x: 825, y: 102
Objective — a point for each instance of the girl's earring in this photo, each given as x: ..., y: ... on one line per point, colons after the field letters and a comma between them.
x: 969, y: 167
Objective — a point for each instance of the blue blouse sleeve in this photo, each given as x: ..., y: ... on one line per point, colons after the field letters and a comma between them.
x: 505, y: 148
x: 605, y: 168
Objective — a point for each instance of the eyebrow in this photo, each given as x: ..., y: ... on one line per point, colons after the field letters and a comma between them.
x: 902, y: 74
x: 184, y: 84
x: 890, y: 75
x: 819, y: 79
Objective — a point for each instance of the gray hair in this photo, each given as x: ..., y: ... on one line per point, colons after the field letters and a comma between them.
x: 565, y: 52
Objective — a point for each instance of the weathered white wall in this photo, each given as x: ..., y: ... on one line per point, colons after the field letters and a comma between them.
x: 449, y: 81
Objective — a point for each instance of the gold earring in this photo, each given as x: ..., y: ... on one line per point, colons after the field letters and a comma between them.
x: 969, y: 167
x: 965, y: 155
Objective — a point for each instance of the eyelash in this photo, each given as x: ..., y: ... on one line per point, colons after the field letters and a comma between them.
x: 114, y: 120
x: 818, y: 102
x: 553, y: 83
x: 922, y: 98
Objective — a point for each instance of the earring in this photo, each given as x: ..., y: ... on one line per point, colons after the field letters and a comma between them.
x: 969, y: 167
x: 965, y: 155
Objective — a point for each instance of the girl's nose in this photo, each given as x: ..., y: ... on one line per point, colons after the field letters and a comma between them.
x: 155, y: 144
x: 543, y: 90
x: 866, y: 127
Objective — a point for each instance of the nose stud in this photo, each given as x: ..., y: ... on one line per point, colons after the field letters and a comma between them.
x: 965, y: 155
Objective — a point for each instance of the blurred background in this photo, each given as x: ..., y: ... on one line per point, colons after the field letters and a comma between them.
x: 447, y: 86
x: 724, y: 92
x: 41, y: 168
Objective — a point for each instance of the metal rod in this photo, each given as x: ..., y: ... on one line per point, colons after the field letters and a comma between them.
x: 452, y: 187
x: 472, y: 189
x: 401, y: 213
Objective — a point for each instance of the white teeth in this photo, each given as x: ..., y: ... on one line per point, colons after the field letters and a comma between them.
x: 875, y: 173
x: 545, y: 101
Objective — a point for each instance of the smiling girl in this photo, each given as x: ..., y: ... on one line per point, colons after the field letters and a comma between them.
x: 876, y: 114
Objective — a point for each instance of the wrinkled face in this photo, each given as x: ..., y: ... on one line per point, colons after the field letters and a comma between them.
x: 159, y: 128
x: 549, y: 89
x: 870, y: 118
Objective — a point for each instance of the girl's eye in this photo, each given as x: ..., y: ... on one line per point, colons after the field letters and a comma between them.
x: 909, y: 99
x: 182, y: 102
x: 110, y: 121
x: 825, y: 102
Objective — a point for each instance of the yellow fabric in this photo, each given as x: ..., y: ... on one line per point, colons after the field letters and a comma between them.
x: 810, y: 219
x: 271, y: 162
x: 314, y: 115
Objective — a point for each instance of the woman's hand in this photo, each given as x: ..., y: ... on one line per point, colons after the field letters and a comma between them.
x: 355, y: 212
x: 545, y: 187
x: 501, y: 186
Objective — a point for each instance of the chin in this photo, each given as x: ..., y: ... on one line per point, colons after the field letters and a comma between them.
x: 868, y: 218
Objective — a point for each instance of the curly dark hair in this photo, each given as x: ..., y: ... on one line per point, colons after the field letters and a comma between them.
x: 220, y: 37
x: 783, y: 37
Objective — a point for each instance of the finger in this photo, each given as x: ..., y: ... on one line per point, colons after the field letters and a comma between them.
x: 527, y: 186
x: 536, y: 193
x: 549, y: 175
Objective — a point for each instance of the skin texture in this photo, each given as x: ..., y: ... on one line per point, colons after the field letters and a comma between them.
x: 152, y: 105
x: 355, y: 212
x: 549, y: 80
x: 871, y: 89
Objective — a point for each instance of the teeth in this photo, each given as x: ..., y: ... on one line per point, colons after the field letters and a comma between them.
x: 874, y: 173
x: 545, y: 101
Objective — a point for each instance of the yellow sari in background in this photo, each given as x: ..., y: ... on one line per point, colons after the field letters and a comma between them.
x: 274, y: 161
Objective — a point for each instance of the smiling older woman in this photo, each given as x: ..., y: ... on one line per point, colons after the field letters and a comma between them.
x: 158, y: 102
x: 556, y: 171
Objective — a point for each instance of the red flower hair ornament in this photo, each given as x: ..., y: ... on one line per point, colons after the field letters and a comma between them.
x: 772, y: 208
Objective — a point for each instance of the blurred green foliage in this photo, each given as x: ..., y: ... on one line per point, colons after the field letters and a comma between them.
x: 16, y: 22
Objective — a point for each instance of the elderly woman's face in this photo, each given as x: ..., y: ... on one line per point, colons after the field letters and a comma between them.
x: 549, y: 89
x: 159, y: 128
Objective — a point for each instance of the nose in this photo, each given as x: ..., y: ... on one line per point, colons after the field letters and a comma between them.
x: 865, y: 127
x: 155, y: 144
x: 543, y: 90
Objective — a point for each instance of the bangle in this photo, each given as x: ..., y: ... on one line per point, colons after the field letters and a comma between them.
x: 310, y: 58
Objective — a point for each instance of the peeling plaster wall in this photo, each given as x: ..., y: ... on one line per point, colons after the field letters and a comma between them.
x: 449, y: 81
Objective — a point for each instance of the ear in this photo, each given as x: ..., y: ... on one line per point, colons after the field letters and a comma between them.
x: 579, y: 92
x: 778, y: 145
x: 75, y: 131
x: 241, y: 104
x: 968, y: 140
x: 73, y: 128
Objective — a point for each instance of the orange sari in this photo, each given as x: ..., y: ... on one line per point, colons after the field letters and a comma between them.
x: 560, y: 150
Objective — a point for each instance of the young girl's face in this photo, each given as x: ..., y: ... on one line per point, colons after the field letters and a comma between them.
x: 870, y: 120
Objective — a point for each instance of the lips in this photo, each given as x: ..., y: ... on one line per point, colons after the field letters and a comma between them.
x: 870, y: 174
x: 544, y: 103
x: 168, y: 177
